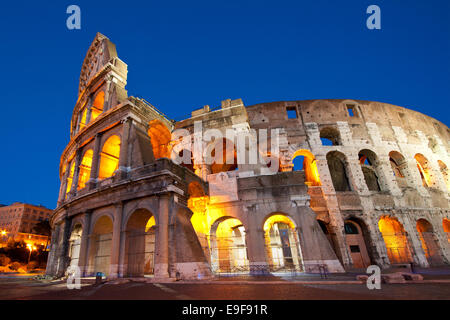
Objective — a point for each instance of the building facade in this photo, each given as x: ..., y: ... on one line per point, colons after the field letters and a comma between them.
x: 338, y: 184
x: 18, y: 220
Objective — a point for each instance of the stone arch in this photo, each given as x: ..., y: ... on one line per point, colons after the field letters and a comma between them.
x: 187, y: 159
x: 85, y: 169
x: 223, y: 156
x: 282, y: 243
x: 399, y: 166
x: 228, y: 246
x: 330, y: 136
x: 369, y: 163
x: 357, y: 239
x: 109, y: 157
x: 101, y: 241
x: 446, y: 227
x: 97, y: 105
x: 445, y: 173
x: 160, y: 138
x: 429, y: 242
x: 425, y: 171
x: 195, y: 189
x: 309, y: 165
x: 337, y: 164
x: 140, y: 238
x: 395, y: 239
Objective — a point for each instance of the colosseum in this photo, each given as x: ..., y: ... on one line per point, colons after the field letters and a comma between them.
x: 351, y: 183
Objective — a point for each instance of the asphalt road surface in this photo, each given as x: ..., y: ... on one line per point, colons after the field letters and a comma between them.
x: 23, y: 289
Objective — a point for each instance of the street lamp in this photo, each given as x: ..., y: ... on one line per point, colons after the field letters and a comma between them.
x: 3, y: 233
x: 31, y: 248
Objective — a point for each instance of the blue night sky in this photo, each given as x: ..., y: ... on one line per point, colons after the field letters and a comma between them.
x: 183, y: 55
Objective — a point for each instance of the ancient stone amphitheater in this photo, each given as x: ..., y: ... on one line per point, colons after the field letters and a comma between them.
x: 353, y: 183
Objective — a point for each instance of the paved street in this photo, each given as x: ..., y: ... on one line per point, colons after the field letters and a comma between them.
x: 31, y: 290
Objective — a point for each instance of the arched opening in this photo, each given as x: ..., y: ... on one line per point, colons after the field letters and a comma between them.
x: 228, y: 246
x: 109, y: 158
x: 429, y: 242
x: 305, y: 160
x: 140, y: 244
x: 97, y: 105
x: 399, y: 166
x: 70, y: 177
x: 188, y: 160
x: 330, y: 136
x: 395, y: 239
x: 337, y: 166
x: 444, y: 171
x: 446, y: 226
x: 356, y: 244
x: 74, y: 244
x: 85, y: 169
x: 100, y: 253
x: 369, y: 166
x: 282, y: 244
x: 425, y: 171
x: 83, y: 119
x: 224, y: 156
x: 160, y: 138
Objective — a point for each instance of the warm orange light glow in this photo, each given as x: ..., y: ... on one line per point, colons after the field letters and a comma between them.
x: 204, y: 214
x: 395, y: 240
x: 275, y: 219
x: 83, y: 119
x: 446, y: 226
x: 109, y: 157
x: 424, y: 170
x: 150, y: 223
x: 160, y: 138
x: 312, y: 176
x: 4, y: 233
x: 85, y: 169
x: 97, y: 106
x: 70, y: 177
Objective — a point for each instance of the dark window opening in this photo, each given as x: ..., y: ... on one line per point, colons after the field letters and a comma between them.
x: 350, y: 228
x: 354, y: 249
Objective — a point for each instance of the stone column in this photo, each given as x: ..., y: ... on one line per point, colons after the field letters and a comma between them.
x: 415, y: 175
x: 51, y: 261
x: 115, y: 245
x: 107, y: 94
x: 256, y: 249
x: 414, y: 242
x: 62, y: 250
x: 92, y: 183
x: 122, y: 249
x: 387, y: 176
x: 162, y: 240
x: 83, y: 260
x: 336, y: 220
x: 123, y: 158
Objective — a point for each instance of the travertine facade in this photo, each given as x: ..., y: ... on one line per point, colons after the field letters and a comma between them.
x: 372, y: 186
